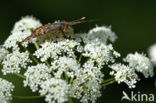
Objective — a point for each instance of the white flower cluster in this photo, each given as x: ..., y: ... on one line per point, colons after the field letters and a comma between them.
x: 69, y: 47
x: 65, y: 57
x: 14, y: 59
x: 101, y: 53
x: 69, y: 68
x: 101, y: 34
x: 5, y: 91
x: 13, y: 62
x: 56, y: 90
x: 124, y: 74
x: 54, y: 49
x: 36, y: 75
x: 3, y: 53
x: 136, y: 63
x: 65, y: 65
x: 48, y: 50
x: 140, y: 63
x: 21, y: 30
x: 152, y: 53
x: 87, y: 84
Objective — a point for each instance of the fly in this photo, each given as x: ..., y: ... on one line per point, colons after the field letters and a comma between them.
x: 82, y: 84
x: 50, y: 28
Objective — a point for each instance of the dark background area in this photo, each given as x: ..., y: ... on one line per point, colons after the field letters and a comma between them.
x: 134, y: 21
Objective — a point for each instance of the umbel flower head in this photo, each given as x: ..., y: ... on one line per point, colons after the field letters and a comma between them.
x: 13, y: 62
x: 152, y: 53
x: 22, y: 29
x: 6, y: 88
x: 140, y: 63
x: 3, y: 53
x: 56, y: 90
x: 102, y: 34
x: 36, y: 75
x: 64, y: 68
x: 127, y: 73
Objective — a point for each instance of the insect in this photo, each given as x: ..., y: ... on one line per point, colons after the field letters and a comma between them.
x: 61, y: 27
x: 82, y: 84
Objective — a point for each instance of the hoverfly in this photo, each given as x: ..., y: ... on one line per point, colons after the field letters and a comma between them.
x: 52, y: 28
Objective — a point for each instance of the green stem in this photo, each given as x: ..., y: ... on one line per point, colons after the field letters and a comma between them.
x: 70, y: 100
x: 66, y: 77
x: 36, y: 45
x: 20, y: 75
x: 31, y: 55
x: 80, y: 58
x: 110, y: 79
x: 47, y: 64
x: 108, y: 83
x: 28, y: 97
x: 71, y: 80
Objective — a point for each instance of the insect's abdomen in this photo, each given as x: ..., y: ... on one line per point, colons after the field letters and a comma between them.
x: 28, y: 38
x: 37, y: 32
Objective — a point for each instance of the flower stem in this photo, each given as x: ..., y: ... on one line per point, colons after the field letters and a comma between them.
x: 47, y: 64
x: 80, y: 58
x: 108, y: 83
x: 31, y: 55
x: 20, y: 75
x: 28, y: 97
x: 70, y: 100
x: 36, y: 45
x: 110, y: 79
x: 71, y: 80
x: 66, y: 77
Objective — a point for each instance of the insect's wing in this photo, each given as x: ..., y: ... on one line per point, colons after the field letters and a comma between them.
x: 28, y: 38
x: 51, y: 32
x: 36, y: 32
x: 82, y: 20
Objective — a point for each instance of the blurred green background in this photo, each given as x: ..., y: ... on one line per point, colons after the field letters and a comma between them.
x: 134, y: 21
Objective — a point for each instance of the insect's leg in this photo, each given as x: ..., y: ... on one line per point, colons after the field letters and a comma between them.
x: 62, y: 33
x: 70, y: 33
